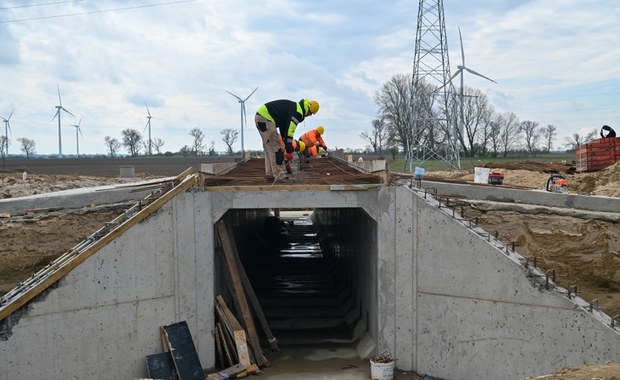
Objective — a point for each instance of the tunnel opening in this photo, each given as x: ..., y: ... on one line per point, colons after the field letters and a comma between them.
x: 313, y: 272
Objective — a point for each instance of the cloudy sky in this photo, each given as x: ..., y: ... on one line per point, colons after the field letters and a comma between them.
x: 556, y: 62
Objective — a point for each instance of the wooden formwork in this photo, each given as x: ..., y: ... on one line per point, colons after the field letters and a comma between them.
x: 598, y: 154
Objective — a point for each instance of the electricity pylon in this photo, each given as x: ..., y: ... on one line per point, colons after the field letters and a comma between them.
x: 434, y: 130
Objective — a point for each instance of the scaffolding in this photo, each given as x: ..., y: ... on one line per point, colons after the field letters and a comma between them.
x: 434, y: 129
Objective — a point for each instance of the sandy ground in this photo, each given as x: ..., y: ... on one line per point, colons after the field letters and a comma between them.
x: 583, y: 251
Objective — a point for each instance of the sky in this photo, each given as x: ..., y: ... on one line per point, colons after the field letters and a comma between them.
x: 555, y: 62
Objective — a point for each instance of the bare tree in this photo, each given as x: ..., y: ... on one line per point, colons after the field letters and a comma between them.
x: 531, y: 134
x: 377, y: 137
x: 197, y: 146
x: 476, y: 115
x: 395, y: 109
x: 573, y: 142
x: 157, y: 143
x: 495, y: 133
x: 548, y: 134
x: 113, y: 145
x: 229, y: 136
x: 3, y: 145
x: 509, y: 124
x: 28, y: 146
x: 131, y: 141
x: 212, y: 148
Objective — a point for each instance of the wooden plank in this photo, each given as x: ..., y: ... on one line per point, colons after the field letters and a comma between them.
x: 219, y: 347
x: 160, y: 366
x: 183, y: 351
x: 230, y: 360
x: 227, y: 373
x: 239, y: 294
x: 249, y: 290
x: 238, y: 333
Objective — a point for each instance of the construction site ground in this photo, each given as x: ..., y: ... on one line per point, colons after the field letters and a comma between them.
x: 584, y: 252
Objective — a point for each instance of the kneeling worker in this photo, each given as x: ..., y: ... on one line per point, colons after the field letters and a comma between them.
x: 314, y: 140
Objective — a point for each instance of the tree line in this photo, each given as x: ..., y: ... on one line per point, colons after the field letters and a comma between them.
x: 408, y: 120
x: 135, y: 144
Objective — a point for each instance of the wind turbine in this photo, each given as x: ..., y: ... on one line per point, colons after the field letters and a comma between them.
x: 460, y: 70
x: 243, y: 118
x: 148, y: 125
x: 77, y: 140
x: 59, y: 108
x: 7, y: 129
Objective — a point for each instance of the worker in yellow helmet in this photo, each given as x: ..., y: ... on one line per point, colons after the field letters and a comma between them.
x: 299, y: 147
x: 313, y: 140
x: 280, y: 118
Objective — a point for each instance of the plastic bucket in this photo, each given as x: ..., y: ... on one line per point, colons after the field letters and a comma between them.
x: 481, y: 175
x: 382, y: 371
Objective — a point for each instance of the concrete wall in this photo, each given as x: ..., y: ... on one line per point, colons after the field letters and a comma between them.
x: 103, y: 318
x: 439, y: 296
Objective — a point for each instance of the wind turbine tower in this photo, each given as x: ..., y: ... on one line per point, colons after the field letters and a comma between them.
x: 7, y: 129
x: 59, y: 108
x: 77, y: 140
x: 460, y: 69
x: 431, y: 67
x: 148, y: 125
x: 243, y: 118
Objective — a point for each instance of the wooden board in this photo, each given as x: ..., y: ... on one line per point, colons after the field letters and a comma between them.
x: 160, y: 366
x: 183, y: 351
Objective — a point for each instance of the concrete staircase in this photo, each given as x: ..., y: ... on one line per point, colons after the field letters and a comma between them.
x: 306, y: 298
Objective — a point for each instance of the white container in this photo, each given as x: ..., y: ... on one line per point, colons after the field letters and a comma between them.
x: 382, y: 371
x: 481, y: 175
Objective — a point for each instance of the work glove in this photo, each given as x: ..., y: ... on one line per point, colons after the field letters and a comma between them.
x: 289, y: 156
x: 324, y: 148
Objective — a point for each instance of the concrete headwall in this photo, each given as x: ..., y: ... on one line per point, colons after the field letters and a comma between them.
x: 441, y: 297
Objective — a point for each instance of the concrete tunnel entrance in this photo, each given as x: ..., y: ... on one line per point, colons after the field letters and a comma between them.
x: 313, y: 272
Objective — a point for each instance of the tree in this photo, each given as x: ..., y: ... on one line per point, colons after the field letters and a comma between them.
x: 131, y: 141
x: 531, y: 134
x: 3, y: 145
x: 395, y: 109
x: 113, y: 145
x: 573, y: 142
x: 377, y: 137
x: 474, y: 120
x: 28, y: 146
x: 156, y: 144
x: 509, y: 125
x: 229, y: 136
x: 548, y: 135
x: 212, y: 148
x: 197, y: 145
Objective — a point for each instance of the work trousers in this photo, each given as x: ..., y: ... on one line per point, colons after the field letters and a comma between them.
x: 271, y: 146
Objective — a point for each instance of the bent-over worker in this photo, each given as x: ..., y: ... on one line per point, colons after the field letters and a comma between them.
x: 281, y: 116
x: 313, y: 141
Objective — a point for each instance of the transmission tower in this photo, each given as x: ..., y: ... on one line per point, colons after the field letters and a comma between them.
x: 435, y: 120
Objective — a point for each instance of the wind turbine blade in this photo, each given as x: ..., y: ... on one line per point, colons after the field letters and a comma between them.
x: 147, y: 109
x: 252, y: 93
x: 80, y: 130
x: 56, y: 114
x: 67, y: 111
x: 59, y: 99
x: 478, y: 74
x: 146, y: 126
x: 462, y: 50
x: 79, y: 122
x: 238, y: 98
x: 456, y: 74
x: 11, y: 114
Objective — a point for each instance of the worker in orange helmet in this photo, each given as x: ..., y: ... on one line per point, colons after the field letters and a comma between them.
x: 313, y: 140
x: 279, y: 118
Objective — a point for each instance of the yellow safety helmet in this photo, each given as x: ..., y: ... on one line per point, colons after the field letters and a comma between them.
x: 320, y: 129
x: 301, y: 146
x: 313, y: 106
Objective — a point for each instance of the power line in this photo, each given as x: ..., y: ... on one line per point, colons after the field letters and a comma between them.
x: 39, y: 4
x: 95, y: 12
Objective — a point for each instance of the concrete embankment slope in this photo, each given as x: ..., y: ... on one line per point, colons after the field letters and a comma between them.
x: 443, y: 298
